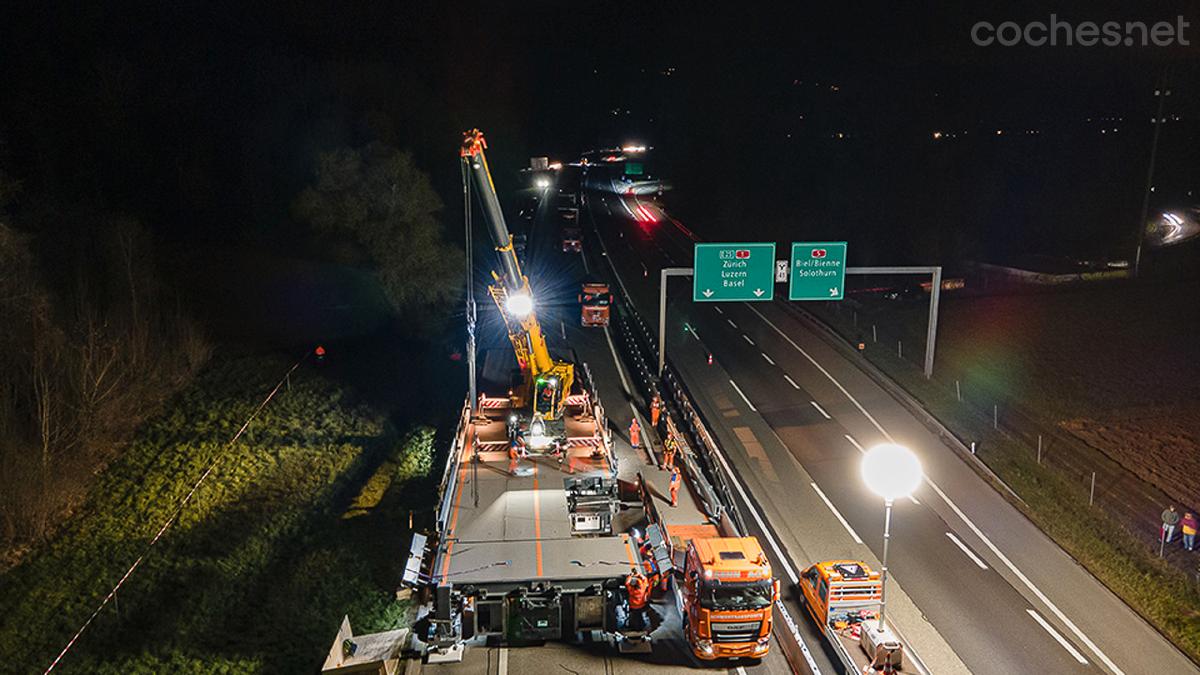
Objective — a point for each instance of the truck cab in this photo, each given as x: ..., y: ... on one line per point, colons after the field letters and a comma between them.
x: 572, y: 239
x: 728, y: 594
x: 595, y: 302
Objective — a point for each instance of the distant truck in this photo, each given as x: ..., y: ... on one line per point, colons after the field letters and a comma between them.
x: 844, y: 598
x: 727, y: 593
x: 595, y: 302
x: 572, y: 240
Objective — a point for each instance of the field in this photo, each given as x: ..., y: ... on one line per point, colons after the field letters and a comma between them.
x: 301, y: 522
x: 1118, y: 366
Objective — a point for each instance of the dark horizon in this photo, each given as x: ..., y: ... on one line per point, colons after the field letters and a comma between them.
x: 222, y: 113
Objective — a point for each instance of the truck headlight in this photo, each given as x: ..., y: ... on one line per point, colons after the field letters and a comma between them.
x: 705, y: 646
x: 762, y: 645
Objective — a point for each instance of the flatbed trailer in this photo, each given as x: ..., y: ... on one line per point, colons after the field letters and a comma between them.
x: 510, y: 562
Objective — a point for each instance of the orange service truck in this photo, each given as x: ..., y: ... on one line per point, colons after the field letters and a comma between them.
x: 844, y: 598
x: 727, y: 593
x: 595, y: 302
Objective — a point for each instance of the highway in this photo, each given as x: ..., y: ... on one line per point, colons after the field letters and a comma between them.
x: 1003, y: 596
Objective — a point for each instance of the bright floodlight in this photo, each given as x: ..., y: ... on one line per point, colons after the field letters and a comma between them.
x: 519, y: 304
x: 891, y: 471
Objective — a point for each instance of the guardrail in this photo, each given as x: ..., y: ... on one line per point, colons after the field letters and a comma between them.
x: 453, y: 458
x: 683, y: 420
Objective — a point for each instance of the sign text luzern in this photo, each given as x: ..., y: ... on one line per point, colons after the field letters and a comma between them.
x: 733, y: 272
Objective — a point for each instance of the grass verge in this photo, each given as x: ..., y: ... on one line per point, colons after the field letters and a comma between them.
x: 259, y: 569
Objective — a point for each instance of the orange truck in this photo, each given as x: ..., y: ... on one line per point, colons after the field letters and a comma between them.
x: 727, y: 593
x: 595, y: 302
x: 844, y: 597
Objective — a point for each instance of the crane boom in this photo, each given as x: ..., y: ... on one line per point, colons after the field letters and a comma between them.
x: 546, y: 381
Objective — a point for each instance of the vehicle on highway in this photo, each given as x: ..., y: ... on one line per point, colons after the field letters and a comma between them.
x: 572, y: 240
x: 595, y: 303
x: 728, y: 593
x: 845, y: 597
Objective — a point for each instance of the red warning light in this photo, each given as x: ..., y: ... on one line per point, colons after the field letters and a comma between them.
x: 320, y: 351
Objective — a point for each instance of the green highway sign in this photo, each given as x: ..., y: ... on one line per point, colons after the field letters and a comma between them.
x: 818, y: 271
x: 733, y: 272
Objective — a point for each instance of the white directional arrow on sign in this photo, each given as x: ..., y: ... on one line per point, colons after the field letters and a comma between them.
x: 833, y: 292
x: 708, y: 292
x: 758, y: 292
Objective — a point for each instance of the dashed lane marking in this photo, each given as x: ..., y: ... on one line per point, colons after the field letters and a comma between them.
x: 739, y: 391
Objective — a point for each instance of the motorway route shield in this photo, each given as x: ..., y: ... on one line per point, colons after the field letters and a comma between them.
x: 781, y: 271
x: 818, y: 271
x: 733, y: 272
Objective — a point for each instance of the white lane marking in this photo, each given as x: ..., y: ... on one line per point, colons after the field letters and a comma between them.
x: 825, y: 372
x: 737, y: 484
x: 988, y: 542
x: 747, y: 339
x: 503, y: 661
x: 791, y: 381
x: 820, y: 410
x: 970, y: 554
x: 1025, y: 580
x: 836, y: 513
x: 616, y: 361
x: 740, y: 671
x: 718, y: 309
x: 739, y: 391
x: 731, y: 323
x: 764, y: 355
x: 1055, y: 634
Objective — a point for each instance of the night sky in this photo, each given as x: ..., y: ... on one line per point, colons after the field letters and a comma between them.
x: 205, y: 118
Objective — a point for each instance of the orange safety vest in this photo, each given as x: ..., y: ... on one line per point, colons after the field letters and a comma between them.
x: 638, y: 589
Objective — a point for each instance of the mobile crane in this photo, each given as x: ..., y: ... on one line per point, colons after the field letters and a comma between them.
x: 545, y: 382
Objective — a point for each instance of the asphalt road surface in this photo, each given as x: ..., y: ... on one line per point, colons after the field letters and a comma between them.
x: 1002, y: 594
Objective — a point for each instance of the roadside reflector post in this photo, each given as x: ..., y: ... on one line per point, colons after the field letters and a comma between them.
x: 958, y: 391
x: 874, y: 334
x: 972, y: 447
x: 995, y: 416
x: 1039, y: 457
x: 1092, y: 494
x: 900, y: 348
